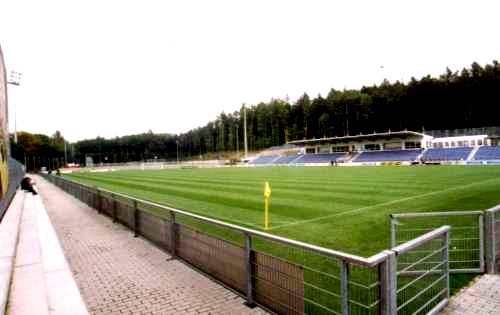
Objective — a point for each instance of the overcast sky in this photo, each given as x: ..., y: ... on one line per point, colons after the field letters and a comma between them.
x: 112, y: 68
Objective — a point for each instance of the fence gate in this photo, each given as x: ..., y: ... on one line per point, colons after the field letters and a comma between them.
x: 466, y: 246
x: 422, y: 274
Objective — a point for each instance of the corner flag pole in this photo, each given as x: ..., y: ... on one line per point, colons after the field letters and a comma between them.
x: 267, y: 194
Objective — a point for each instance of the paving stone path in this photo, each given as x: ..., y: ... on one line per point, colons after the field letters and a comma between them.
x: 119, y: 274
x: 482, y: 297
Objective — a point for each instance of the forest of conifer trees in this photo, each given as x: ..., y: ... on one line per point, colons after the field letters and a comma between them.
x: 455, y: 100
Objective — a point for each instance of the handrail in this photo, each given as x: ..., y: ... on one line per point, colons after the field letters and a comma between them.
x: 435, y: 214
x: 421, y: 239
x: 494, y: 209
x: 362, y: 261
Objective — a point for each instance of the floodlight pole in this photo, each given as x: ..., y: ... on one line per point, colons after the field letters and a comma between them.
x: 177, y: 142
x: 15, y: 79
x: 245, y: 129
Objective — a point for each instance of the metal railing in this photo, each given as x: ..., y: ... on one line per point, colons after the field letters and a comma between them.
x: 466, y: 240
x: 284, y: 275
x: 493, y: 238
x: 422, y: 276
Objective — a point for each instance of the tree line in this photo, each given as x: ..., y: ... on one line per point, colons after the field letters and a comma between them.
x: 455, y: 100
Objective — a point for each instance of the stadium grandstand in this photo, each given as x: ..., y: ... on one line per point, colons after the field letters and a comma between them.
x: 464, y: 146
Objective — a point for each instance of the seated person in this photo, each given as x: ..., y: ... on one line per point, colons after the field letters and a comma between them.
x: 27, y: 184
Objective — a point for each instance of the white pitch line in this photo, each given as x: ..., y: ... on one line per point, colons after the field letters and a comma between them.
x: 381, y: 204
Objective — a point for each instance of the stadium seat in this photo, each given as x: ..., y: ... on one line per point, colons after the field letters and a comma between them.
x: 393, y: 155
x: 318, y: 158
x: 263, y: 160
x: 447, y: 154
x: 488, y: 153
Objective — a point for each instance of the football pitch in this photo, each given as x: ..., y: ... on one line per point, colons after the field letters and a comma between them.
x: 342, y: 208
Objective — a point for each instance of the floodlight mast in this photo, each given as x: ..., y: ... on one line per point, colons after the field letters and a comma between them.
x: 15, y: 79
x: 245, y: 129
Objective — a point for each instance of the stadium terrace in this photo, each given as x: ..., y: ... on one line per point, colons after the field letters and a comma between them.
x: 392, y: 148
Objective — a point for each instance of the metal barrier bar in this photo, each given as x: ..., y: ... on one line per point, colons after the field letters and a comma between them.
x: 248, y: 269
x: 492, y: 227
x: 388, y: 284
x: 173, y: 234
x: 358, y: 260
x: 463, y: 260
x: 421, y: 239
x: 434, y: 277
x: 344, y: 273
x: 136, y: 221
x: 344, y: 287
x: 114, y: 208
x: 435, y: 214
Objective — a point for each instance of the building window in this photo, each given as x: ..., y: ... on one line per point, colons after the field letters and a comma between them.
x: 446, y: 144
x: 473, y: 142
x: 479, y: 142
x: 453, y: 144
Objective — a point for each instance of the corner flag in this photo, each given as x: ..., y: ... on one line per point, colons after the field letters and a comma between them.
x: 267, y: 190
x: 267, y: 194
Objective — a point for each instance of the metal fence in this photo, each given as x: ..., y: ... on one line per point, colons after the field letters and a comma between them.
x: 286, y: 276
x: 493, y: 238
x: 422, y: 282
x: 466, y: 240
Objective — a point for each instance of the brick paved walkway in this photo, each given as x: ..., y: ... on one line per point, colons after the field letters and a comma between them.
x: 119, y: 274
x: 480, y: 298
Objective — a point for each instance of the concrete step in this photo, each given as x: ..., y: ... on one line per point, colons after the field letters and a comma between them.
x: 42, y: 282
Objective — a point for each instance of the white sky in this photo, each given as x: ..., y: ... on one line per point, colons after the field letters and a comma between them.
x: 113, y: 68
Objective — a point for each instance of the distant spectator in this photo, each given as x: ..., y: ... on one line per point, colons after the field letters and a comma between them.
x: 27, y: 184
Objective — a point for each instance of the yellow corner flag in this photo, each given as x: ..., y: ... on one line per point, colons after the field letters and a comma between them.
x: 267, y: 190
x: 267, y: 194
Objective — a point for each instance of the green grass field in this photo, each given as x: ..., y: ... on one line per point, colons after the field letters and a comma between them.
x: 343, y: 208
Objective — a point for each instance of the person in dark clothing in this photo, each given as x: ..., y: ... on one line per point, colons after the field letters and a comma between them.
x: 27, y: 184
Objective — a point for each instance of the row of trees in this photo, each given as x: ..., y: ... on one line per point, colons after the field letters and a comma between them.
x: 38, y: 150
x: 454, y: 100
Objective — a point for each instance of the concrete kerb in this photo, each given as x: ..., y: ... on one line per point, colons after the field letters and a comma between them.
x: 9, y: 235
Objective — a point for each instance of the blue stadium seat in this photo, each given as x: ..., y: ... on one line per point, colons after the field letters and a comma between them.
x: 263, y: 160
x: 285, y: 159
x: 447, y: 154
x: 488, y: 153
x: 393, y: 155
x: 319, y: 158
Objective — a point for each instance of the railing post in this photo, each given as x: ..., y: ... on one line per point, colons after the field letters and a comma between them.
x: 481, y: 242
x: 173, y: 235
x: 490, y: 241
x: 393, y: 231
x: 99, y: 210
x: 114, y: 207
x: 388, y: 284
x: 136, y: 221
x: 344, y: 286
x: 248, y: 270
x: 446, y: 265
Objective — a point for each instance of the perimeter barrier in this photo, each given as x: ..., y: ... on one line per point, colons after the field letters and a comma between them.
x: 284, y: 275
x: 493, y: 238
x: 466, y: 240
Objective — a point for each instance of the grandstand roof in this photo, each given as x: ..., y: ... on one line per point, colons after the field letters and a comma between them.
x: 374, y: 136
